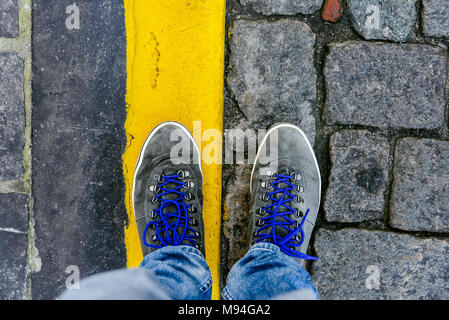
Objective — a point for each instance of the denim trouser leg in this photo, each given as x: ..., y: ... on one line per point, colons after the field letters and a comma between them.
x: 171, y: 272
x: 267, y: 273
x: 182, y: 273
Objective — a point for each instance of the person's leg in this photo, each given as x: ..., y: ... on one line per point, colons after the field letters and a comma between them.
x: 167, y: 200
x: 267, y: 273
x: 172, y: 272
x: 182, y: 271
x: 285, y: 198
x: 129, y: 284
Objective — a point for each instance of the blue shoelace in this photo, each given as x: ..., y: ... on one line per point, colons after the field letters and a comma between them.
x: 168, y: 233
x: 282, y: 220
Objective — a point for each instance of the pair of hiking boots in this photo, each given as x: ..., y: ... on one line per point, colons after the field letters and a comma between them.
x: 285, y: 189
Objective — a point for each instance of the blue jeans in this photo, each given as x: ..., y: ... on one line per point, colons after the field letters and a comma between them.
x: 181, y: 272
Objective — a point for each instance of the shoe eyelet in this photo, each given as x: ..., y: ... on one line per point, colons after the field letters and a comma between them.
x: 151, y: 214
x: 266, y: 185
x: 158, y: 178
x: 188, y: 185
x: 192, y: 209
x: 260, y: 222
x: 299, y: 213
x: 153, y: 200
x: 299, y: 199
x: 295, y: 176
x: 193, y: 222
x: 264, y: 197
x: 188, y: 196
x: 299, y: 189
x: 273, y: 175
x: 155, y: 189
x: 260, y: 212
x: 182, y: 174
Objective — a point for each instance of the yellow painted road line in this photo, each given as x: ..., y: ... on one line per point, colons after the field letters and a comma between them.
x: 175, y: 54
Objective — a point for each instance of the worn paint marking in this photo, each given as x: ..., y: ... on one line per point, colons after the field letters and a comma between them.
x: 175, y: 54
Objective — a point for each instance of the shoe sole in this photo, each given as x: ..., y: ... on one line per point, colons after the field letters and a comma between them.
x: 156, y: 129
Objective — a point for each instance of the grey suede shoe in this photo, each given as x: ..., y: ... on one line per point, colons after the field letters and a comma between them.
x: 285, y: 191
x: 167, y: 192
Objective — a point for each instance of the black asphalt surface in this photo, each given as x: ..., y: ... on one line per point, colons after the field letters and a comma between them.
x: 79, y: 109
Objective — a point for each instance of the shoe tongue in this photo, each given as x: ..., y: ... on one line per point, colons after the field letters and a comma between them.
x: 282, y: 185
x: 171, y: 207
x: 284, y: 171
x: 172, y: 186
x: 279, y: 231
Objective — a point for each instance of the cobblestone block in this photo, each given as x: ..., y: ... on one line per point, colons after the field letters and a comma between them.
x: 436, y: 18
x: 272, y: 74
x: 360, y: 264
x: 420, y: 198
x: 384, y: 19
x: 9, y: 19
x: 13, y: 212
x: 285, y: 7
x: 13, y: 245
x: 12, y: 116
x: 386, y: 85
x: 359, y: 177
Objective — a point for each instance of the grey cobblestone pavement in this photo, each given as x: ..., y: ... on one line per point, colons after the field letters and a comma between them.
x: 13, y: 245
x: 378, y: 85
x: 263, y: 72
x: 9, y: 17
x: 285, y: 7
x: 383, y: 19
x: 421, y: 182
x: 362, y: 264
x: 359, y: 176
x: 435, y: 17
x: 12, y: 116
x: 380, y: 126
x: 16, y: 234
